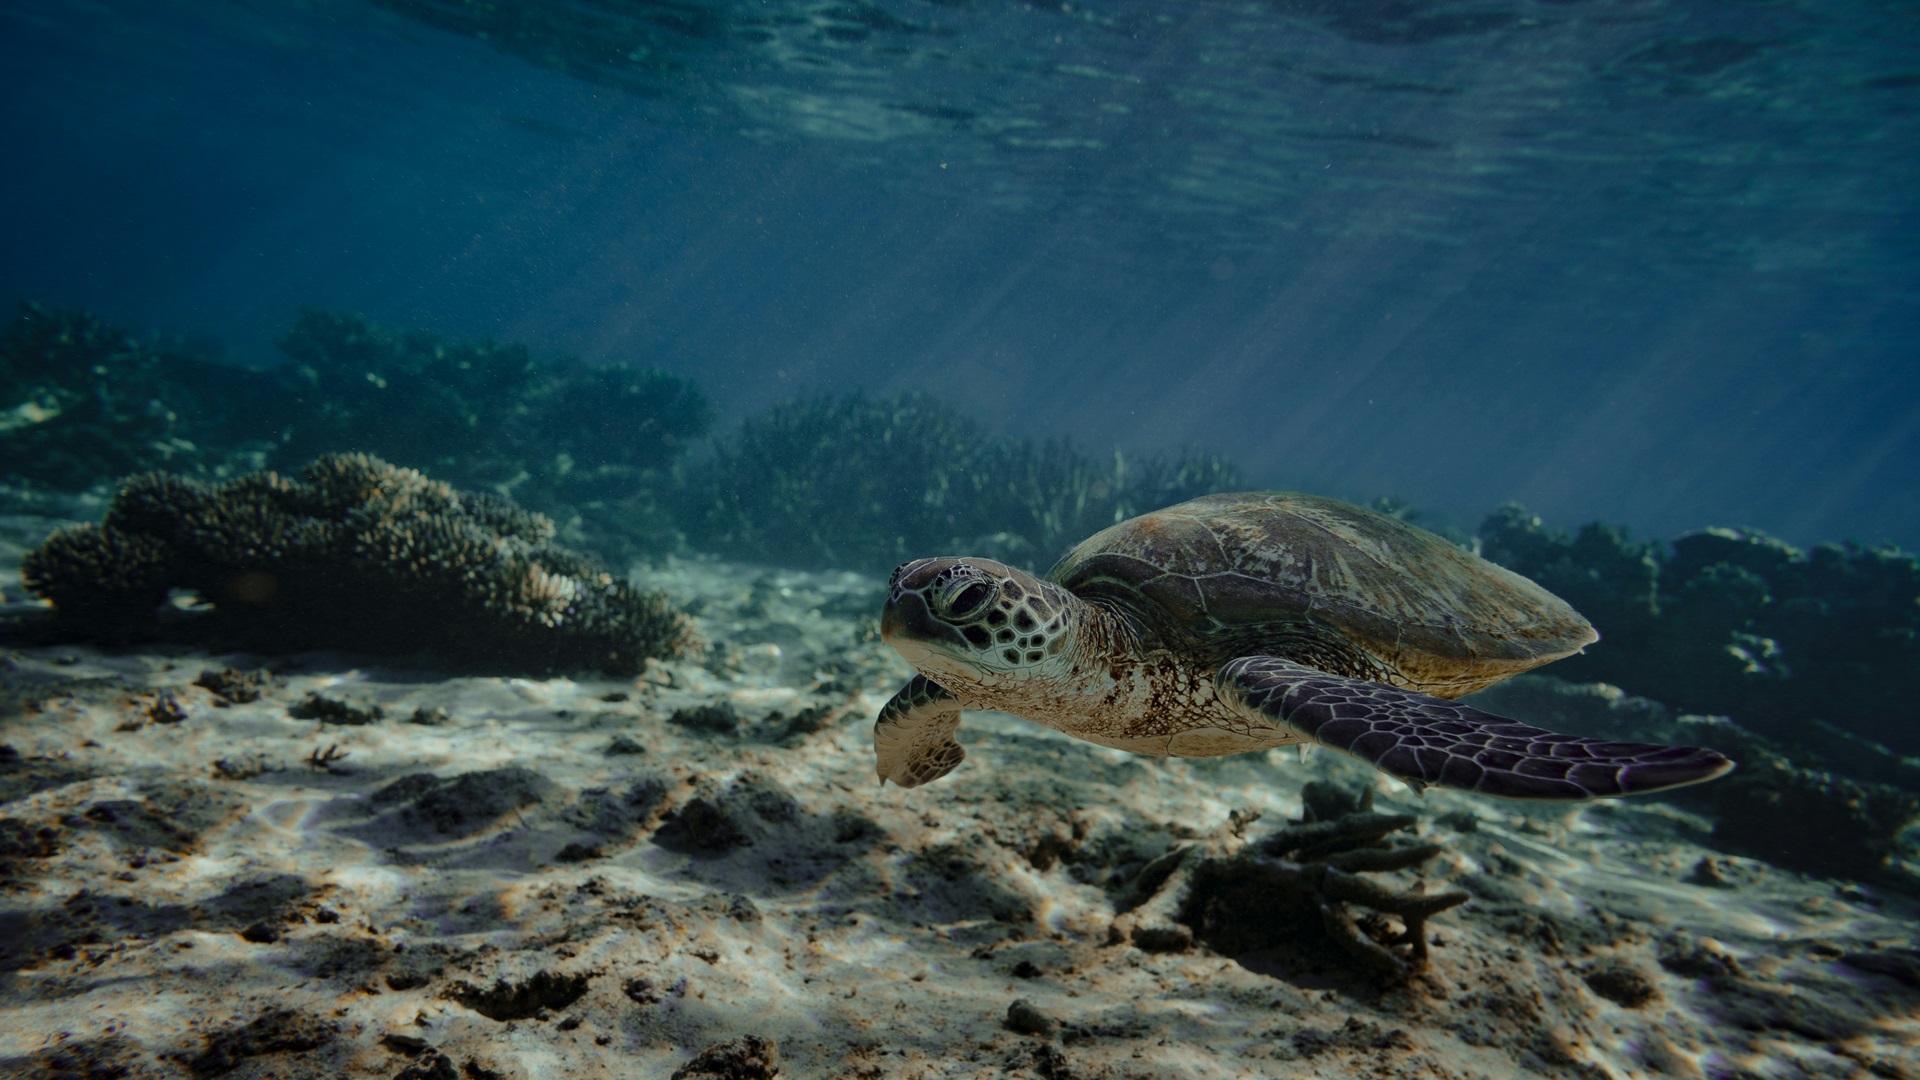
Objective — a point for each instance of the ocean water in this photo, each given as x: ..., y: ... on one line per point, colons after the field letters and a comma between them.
x: 761, y: 299
x: 1649, y: 263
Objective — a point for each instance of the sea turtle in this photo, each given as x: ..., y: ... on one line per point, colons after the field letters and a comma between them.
x: 1247, y: 621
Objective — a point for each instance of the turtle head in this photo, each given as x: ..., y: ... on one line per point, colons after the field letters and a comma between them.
x: 974, y: 622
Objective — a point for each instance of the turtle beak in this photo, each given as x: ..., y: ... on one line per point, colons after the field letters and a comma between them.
x: 906, y: 616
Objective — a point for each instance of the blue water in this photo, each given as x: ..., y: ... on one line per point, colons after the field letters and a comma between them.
x: 1652, y: 263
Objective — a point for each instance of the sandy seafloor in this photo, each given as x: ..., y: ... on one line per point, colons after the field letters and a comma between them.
x: 526, y: 877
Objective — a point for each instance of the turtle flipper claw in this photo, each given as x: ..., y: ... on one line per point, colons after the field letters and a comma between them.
x: 1431, y: 741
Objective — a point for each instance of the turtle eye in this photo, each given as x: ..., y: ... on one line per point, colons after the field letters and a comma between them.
x: 968, y: 600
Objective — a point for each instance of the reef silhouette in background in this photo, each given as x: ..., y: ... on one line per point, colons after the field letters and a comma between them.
x: 1719, y: 621
x: 356, y: 554
x: 1735, y: 621
x: 870, y: 482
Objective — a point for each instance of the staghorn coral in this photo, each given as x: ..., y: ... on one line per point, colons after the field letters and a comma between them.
x: 1292, y: 891
x: 355, y: 554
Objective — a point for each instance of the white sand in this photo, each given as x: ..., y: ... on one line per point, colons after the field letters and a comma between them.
x: 755, y: 882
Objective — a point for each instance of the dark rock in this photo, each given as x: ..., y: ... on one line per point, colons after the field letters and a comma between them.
x: 407, y: 980
x: 1324, y: 801
x: 803, y: 722
x: 1899, y: 964
x: 1810, y: 820
x: 1157, y: 938
x: 1693, y: 958
x: 1735, y: 622
x: 166, y: 708
x: 236, y: 686
x: 1622, y: 983
x: 411, y: 1045
x: 329, y: 710
x: 1355, y: 1034
x: 720, y: 719
x: 641, y: 991
x: 699, y: 826
x: 622, y: 745
x: 277, y: 1031
x: 518, y: 1000
x: 749, y: 1057
x: 1023, y: 1017
x: 432, y: 1067
x: 464, y: 804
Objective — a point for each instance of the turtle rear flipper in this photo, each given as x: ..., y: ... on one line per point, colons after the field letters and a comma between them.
x: 913, y: 735
x: 1431, y: 741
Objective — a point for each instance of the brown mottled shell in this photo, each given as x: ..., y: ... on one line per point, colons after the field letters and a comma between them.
x: 1225, y: 566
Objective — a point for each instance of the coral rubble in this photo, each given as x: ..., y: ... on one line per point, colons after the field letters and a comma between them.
x: 355, y: 554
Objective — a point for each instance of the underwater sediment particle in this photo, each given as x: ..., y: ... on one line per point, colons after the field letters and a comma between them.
x: 354, y: 554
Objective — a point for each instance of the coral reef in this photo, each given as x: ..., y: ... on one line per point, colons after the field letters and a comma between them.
x: 867, y: 483
x: 82, y: 400
x: 407, y: 396
x: 1291, y: 891
x: 355, y: 554
x: 483, y: 412
x: 1827, y: 805
x: 1733, y: 621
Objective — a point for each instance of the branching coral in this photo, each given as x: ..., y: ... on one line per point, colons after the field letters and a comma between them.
x: 1292, y: 891
x: 355, y: 554
x: 1237, y: 904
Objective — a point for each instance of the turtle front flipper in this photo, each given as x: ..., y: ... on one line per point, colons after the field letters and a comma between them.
x: 913, y: 735
x: 1431, y: 741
